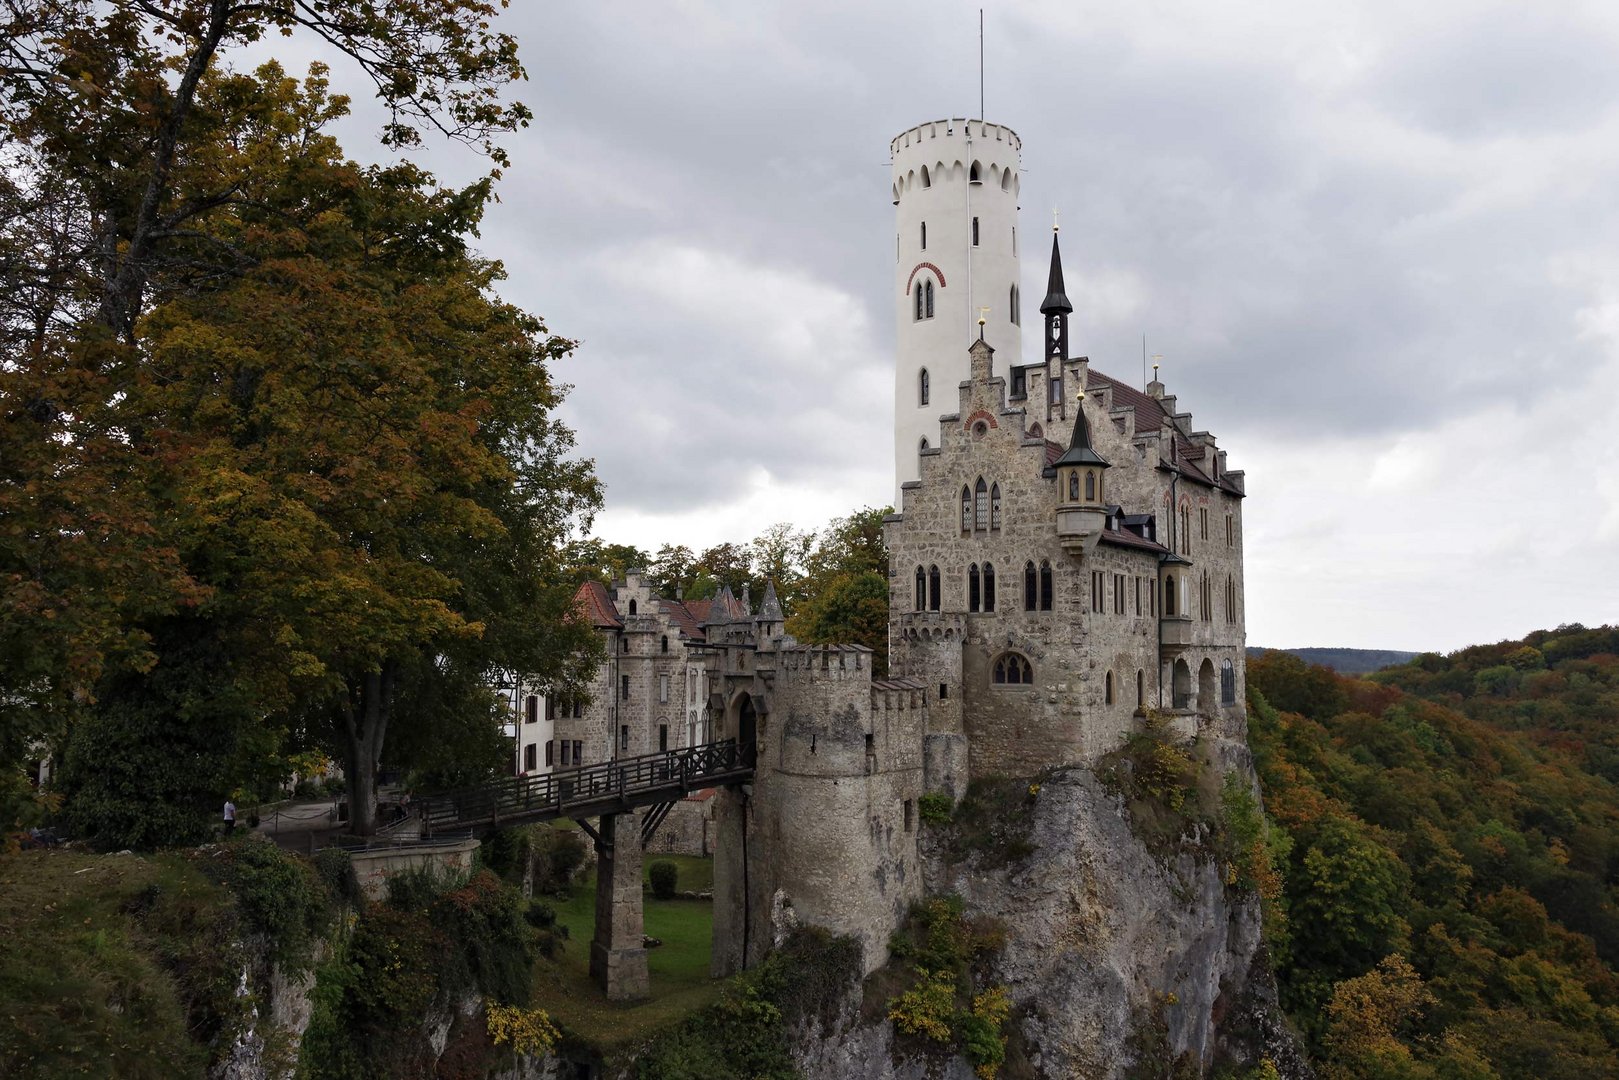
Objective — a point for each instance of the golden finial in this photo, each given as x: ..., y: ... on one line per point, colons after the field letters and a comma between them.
x: 1157, y: 356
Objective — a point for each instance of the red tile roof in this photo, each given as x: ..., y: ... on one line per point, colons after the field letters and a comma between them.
x: 686, y: 620
x: 593, y: 602
x: 1150, y: 416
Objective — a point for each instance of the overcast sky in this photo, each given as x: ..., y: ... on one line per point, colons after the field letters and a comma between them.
x: 1377, y: 244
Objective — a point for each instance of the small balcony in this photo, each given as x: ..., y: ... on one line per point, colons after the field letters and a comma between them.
x: 1175, y: 633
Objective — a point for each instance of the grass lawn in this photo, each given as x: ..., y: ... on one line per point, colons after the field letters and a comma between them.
x: 678, y: 968
x: 88, y: 972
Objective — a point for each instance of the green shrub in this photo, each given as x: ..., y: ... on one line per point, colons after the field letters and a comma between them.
x: 550, y: 934
x: 280, y: 896
x: 936, y: 808
x: 417, y: 888
x: 336, y: 871
x: 558, y: 854
x: 744, y: 1036
x: 494, y: 945
x: 665, y: 878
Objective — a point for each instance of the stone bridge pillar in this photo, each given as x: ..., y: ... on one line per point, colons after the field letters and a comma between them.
x: 617, y: 954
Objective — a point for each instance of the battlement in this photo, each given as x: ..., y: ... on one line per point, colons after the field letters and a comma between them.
x: 954, y: 128
x: 812, y: 663
x: 930, y: 625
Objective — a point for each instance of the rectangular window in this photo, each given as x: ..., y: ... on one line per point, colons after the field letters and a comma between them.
x: 909, y: 823
x: 578, y: 752
x: 1056, y: 391
x: 924, y: 236
x: 1020, y: 382
x: 578, y: 708
x: 1096, y: 590
x: 944, y: 691
x: 623, y: 688
x: 1118, y: 594
x: 531, y: 756
x: 663, y: 688
x: 1203, y: 522
x: 1230, y: 532
x: 623, y: 737
x: 975, y: 232
x: 663, y: 737
x: 550, y: 752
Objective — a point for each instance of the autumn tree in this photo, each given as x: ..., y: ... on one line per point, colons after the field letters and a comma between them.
x: 127, y: 161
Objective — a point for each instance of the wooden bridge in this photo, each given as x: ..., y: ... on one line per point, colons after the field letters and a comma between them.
x: 611, y: 787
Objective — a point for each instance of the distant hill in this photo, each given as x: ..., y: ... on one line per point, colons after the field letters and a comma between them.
x: 1343, y: 661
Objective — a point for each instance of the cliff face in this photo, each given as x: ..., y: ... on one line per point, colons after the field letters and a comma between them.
x: 1116, y: 957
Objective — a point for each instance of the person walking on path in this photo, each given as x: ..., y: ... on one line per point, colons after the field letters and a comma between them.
x: 230, y: 817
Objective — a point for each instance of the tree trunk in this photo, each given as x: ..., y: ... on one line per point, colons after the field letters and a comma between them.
x: 365, y: 723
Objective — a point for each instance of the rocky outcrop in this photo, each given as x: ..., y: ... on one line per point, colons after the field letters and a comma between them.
x: 1116, y: 957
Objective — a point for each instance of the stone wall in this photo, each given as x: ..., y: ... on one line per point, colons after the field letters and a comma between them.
x: 374, y: 867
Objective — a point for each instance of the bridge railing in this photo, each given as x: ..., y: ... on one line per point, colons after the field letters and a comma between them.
x: 552, y: 794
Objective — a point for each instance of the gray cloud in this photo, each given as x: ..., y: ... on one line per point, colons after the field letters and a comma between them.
x: 1377, y: 237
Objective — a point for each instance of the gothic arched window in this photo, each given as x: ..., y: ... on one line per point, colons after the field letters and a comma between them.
x: 1107, y: 689
x: 1045, y: 586
x: 918, y: 300
x: 922, y: 386
x: 665, y: 643
x: 933, y: 588
x: 1010, y: 669
x: 921, y: 589
x: 995, y: 506
x: 1228, y: 683
x: 929, y: 315
x: 1031, y: 587
x: 989, y: 587
x: 1090, y: 485
x: 981, y: 505
x: 972, y: 588
x: 966, y: 508
x: 1073, y: 487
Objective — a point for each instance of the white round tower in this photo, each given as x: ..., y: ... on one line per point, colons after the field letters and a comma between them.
x: 955, y: 186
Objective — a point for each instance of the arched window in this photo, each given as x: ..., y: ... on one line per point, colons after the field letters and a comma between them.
x: 919, y: 301
x: 927, y: 181
x: 665, y: 647
x: 1010, y: 669
x: 1045, y: 586
x: 1228, y: 683
x: 924, y: 236
x: 922, y: 445
x: 531, y: 709
x: 933, y: 588
x: 981, y: 505
x: 1107, y: 689
x: 995, y: 506
x: 632, y: 607
x: 1036, y: 431
x: 975, y: 232
x: 973, y: 174
x: 1031, y: 587
x: 1141, y: 687
x: 989, y: 587
x: 972, y: 588
x: 929, y: 300
x: 1090, y: 485
x: 922, y: 386
x: 921, y: 589
x: 1169, y: 594
x: 1073, y: 486
x: 966, y: 508
x: 1012, y: 307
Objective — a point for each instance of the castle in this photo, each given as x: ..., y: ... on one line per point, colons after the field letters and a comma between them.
x: 1066, y: 556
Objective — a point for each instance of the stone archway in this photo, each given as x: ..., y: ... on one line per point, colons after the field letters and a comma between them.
x: 1181, y: 686
x: 1207, y: 689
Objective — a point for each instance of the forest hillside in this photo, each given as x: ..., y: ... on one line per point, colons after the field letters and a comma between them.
x: 1448, y: 844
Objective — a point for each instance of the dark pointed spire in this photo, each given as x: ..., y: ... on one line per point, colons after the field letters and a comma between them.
x: 1080, y: 451
x: 1056, y: 300
x: 770, y: 607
